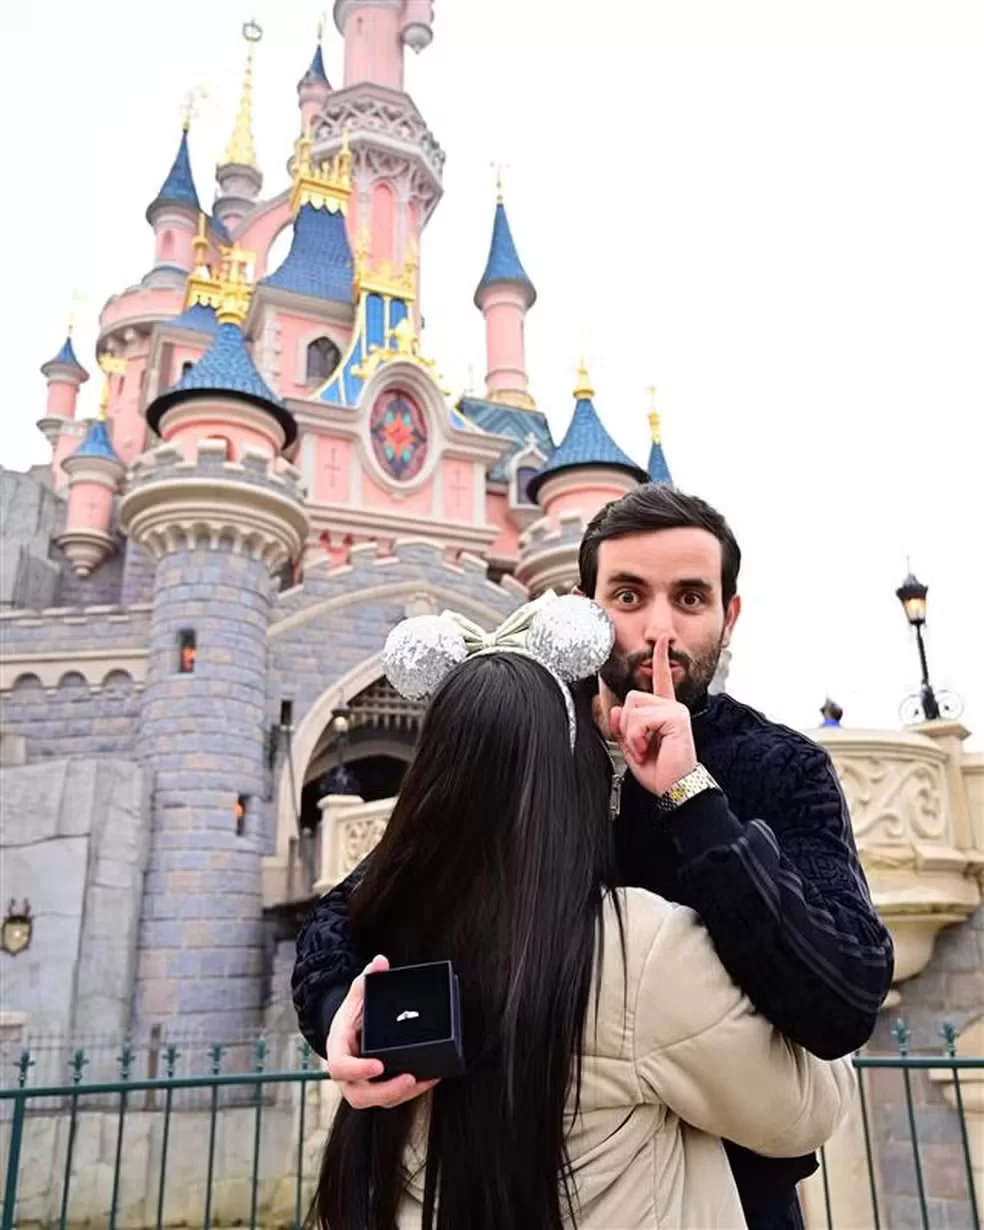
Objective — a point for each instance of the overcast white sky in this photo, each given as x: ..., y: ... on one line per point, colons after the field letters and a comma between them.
x: 773, y: 210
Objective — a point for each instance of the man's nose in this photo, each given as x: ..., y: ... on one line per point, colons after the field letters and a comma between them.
x: 659, y: 621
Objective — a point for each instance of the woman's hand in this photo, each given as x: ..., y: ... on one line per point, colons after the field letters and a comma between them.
x: 353, y: 1074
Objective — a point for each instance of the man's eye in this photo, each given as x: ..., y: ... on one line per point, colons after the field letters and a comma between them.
x: 691, y: 598
x: 625, y: 597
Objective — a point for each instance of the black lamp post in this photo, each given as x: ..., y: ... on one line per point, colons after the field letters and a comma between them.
x: 912, y: 594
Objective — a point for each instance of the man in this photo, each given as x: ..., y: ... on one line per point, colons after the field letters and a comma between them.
x: 714, y: 807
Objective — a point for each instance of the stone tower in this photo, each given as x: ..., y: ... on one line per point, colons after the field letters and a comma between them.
x: 219, y: 511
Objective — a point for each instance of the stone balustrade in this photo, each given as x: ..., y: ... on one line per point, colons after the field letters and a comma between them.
x: 916, y: 806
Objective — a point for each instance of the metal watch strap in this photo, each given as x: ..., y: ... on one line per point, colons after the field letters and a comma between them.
x: 693, y: 783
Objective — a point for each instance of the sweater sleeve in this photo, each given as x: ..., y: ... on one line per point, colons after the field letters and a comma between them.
x: 787, y: 904
x: 327, y: 962
x: 701, y: 1048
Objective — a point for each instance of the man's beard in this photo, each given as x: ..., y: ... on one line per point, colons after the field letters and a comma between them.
x: 619, y: 673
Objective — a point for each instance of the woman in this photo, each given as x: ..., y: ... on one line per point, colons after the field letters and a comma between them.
x: 607, y: 1050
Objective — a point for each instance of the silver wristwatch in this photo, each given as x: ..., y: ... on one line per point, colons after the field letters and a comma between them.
x: 695, y: 782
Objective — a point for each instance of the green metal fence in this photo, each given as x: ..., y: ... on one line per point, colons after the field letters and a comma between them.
x: 250, y: 1094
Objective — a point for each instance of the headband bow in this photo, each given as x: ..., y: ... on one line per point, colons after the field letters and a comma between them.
x: 571, y: 637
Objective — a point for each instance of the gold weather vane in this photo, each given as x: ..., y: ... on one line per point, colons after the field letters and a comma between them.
x: 655, y: 429
x: 501, y: 169
x: 78, y: 298
x: 189, y: 108
x: 110, y: 366
x: 241, y: 151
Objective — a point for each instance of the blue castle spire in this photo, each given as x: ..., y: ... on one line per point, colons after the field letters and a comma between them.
x: 504, y: 264
x: 97, y: 442
x: 179, y: 186
x: 66, y: 357
x: 586, y: 442
x: 225, y: 368
x: 659, y: 471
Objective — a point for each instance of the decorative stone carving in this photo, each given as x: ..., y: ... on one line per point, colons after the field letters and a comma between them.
x: 907, y: 803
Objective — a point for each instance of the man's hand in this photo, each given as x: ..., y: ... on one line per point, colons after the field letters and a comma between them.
x: 653, y: 729
x: 353, y: 1075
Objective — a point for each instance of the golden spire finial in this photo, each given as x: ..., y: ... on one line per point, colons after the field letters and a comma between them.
x: 110, y: 366
x: 655, y: 429
x: 200, y: 245
x: 241, y: 152
x: 582, y: 387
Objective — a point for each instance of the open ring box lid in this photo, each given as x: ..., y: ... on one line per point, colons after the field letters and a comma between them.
x: 411, y: 1020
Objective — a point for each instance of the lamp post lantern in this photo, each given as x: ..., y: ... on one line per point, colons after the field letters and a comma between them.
x: 928, y: 706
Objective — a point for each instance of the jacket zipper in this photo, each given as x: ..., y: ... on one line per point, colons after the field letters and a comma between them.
x: 615, y: 794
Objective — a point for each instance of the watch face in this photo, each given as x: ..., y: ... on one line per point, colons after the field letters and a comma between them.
x: 399, y: 434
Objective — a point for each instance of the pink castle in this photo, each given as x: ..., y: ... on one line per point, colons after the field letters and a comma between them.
x: 203, y: 579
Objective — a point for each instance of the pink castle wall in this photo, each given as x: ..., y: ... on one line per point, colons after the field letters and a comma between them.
x: 62, y: 397
x: 458, y: 489
x: 373, y: 51
x: 90, y: 507
x: 239, y: 436
x: 383, y: 224
x: 504, y: 309
x: 586, y: 500
x: 296, y: 334
x: 139, y: 305
x: 65, y: 446
x: 260, y: 231
x: 506, y: 544
x: 376, y: 496
x: 129, y: 429
x: 172, y: 244
x: 333, y: 460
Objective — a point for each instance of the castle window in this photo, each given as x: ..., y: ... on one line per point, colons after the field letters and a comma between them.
x: 323, y: 356
x: 187, y: 651
x: 239, y: 814
x: 186, y: 367
x: 523, y: 476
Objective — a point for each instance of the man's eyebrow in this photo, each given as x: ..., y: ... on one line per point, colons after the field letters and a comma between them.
x: 625, y: 578
x: 699, y: 583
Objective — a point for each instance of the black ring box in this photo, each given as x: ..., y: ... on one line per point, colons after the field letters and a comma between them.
x: 411, y: 1020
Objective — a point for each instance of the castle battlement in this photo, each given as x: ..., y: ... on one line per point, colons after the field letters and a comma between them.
x: 253, y: 506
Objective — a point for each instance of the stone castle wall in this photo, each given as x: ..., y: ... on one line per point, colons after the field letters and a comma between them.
x: 74, y: 842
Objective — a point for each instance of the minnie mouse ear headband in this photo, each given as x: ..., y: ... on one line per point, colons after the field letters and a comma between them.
x: 569, y: 636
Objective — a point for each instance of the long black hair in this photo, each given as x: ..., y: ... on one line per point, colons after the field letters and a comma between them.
x: 496, y: 857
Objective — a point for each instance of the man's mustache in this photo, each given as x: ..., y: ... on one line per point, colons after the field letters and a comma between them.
x: 644, y: 657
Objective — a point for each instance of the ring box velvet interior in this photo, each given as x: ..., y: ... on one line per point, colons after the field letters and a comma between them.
x: 411, y: 1020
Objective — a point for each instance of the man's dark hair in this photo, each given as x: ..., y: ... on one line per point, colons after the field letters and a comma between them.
x: 649, y: 508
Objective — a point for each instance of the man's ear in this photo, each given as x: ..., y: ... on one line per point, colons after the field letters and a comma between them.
x: 730, y: 619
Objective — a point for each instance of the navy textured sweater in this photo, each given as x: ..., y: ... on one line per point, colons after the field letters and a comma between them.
x: 771, y: 867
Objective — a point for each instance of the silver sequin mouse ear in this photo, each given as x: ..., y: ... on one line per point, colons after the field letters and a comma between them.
x: 419, y: 652
x: 572, y: 636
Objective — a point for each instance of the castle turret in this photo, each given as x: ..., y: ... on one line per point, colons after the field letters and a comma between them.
x: 398, y: 164
x: 585, y: 472
x: 373, y: 41
x: 657, y: 469
x: 94, y: 475
x: 238, y: 174
x: 173, y: 214
x: 64, y: 374
x: 417, y: 30
x: 504, y: 295
x: 219, y: 511
x: 313, y: 88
